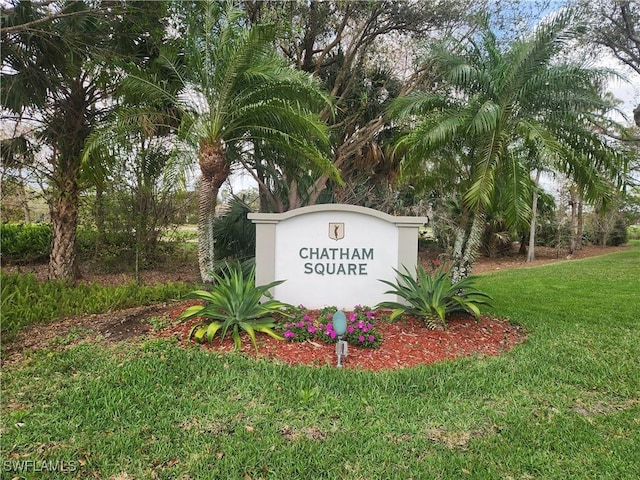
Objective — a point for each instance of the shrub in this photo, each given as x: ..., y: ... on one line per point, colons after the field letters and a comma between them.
x: 234, y: 233
x: 432, y: 296
x: 234, y: 304
x: 619, y: 235
x: 360, y: 332
x: 25, y: 242
x: 633, y: 232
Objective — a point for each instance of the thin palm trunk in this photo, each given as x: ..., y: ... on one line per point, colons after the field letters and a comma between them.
x: 580, y: 228
x: 99, y: 218
x: 463, y: 264
x: 215, y: 172
x: 531, y: 253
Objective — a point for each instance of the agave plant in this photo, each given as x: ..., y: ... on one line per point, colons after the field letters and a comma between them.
x: 433, y: 296
x: 235, y: 305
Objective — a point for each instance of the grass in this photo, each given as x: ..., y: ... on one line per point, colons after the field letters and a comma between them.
x: 26, y: 301
x: 565, y: 404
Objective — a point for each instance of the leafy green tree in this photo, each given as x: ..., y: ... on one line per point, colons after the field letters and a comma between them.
x: 143, y: 169
x: 45, y: 71
x: 237, y: 96
x: 494, y: 100
x: 58, y: 73
x: 615, y: 25
x: 362, y: 52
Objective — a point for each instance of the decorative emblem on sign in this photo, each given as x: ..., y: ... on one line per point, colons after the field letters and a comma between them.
x: 336, y: 231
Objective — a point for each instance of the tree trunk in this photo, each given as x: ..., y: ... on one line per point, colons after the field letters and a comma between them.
x: 472, y: 248
x: 456, y: 256
x: 64, y: 222
x: 99, y: 214
x: 215, y: 171
x: 572, y: 226
x: 522, y: 249
x: 531, y: 253
x: 461, y: 267
x: 206, y: 214
x: 70, y: 131
x: 580, y: 229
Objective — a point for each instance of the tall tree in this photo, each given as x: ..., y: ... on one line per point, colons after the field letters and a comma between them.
x: 55, y: 60
x: 139, y: 141
x: 615, y: 25
x: 362, y: 53
x: 495, y: 100
x: 237, y: 96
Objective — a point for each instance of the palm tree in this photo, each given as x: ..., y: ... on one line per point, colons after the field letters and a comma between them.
x: 237, y: 95
x: 46, y: 76
x: 56, y: 75
x: 495, y: 101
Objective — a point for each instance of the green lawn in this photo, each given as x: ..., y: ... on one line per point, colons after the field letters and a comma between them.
x: 564, y: 404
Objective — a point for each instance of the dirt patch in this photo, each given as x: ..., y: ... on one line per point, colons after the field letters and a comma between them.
x: 513, y: 259
x: 107, y: 328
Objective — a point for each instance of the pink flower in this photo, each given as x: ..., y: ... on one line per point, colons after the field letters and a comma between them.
x: 372, y: 338
x: 333, y: 334
x: 306, y: 318
x: 350, y: 329
x: 289, y: 334
x: 353, y: 316
x: 301, y: 324
x: 370, y: 314
x: 361, y: 338
x: 311, y: 329
x: 329, y: 316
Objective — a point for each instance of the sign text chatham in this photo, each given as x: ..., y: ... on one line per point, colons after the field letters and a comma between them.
x: 343, y: 261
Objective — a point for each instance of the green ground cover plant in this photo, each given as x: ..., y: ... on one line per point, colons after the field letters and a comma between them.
x: 25, y: 242
x: 564, y: 404
x: 26, y: 301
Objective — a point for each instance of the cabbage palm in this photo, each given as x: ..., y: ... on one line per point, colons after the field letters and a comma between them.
x: 237, y: 95
x: 494, y: 102
x: 57, y: 76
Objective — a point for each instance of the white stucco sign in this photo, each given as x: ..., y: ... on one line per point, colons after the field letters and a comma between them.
x: 333, y: 254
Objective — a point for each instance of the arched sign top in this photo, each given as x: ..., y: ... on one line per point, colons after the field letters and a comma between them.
x: 336, y: 207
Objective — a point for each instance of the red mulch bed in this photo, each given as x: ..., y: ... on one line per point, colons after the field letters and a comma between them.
x: 406, y: 343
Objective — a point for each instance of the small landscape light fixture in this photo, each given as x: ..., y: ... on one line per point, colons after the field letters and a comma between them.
x: 340, y: 327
